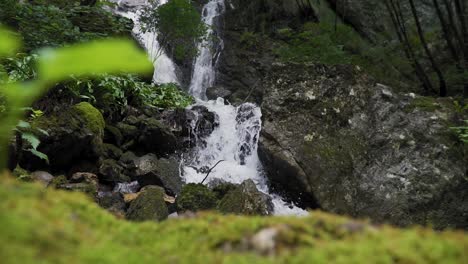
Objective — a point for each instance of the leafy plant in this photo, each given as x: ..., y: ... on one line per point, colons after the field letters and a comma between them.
x: 113, y: 93
x: 55, y: 65
x: 462, y: 132
x: 166, y: 96
x: 179, y: 26
x: 30, y: 139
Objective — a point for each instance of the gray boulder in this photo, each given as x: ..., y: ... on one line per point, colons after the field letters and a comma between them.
x: 151, y: 170
x: 339, y: 141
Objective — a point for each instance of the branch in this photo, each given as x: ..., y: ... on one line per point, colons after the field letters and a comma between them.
x: 209, y: 171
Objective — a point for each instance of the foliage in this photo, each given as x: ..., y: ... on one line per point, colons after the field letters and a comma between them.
x: 462, y: 132
x: 321, y: 43
x: 50, y: 226
x: 107, y: 56
x: 20, y: 67
x: 166, y: 96
x: 113, y: 93
x: 179, y: 26
x: 57, y: 22
x: 30, y: 137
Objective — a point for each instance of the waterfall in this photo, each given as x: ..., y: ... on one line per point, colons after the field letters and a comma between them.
x: 204, y: 74
x: 235, y: 140
x: 164, y: 67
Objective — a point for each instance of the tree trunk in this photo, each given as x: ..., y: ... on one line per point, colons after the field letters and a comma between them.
x: 462, y: 9
x: 400, y: 29
x: 442, y: 83
x: 447, y: 34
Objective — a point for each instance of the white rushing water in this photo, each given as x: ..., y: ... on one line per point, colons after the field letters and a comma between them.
x: 235, y: 139
x: 204, y: 74
x: 164, y: 67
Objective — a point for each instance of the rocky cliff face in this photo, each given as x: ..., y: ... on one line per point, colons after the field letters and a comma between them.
x: 339, y: 141
x: 245, y: 28
x: 370, y: 18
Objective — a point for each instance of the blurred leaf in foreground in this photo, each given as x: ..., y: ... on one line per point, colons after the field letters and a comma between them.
x: 105, y: 56
x: 9, y: 43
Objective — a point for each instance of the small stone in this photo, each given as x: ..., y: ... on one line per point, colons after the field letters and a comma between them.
x: 128, y: 197
x: 43, y: 177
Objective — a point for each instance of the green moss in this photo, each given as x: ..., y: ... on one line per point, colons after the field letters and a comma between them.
x: 22, y: 174
x: 429, y: 104
x: 57, y: 181
x: 149, y: 205
x: 336, y: 152
x: 92, y: 118
x: 196, y: 197
x: 245, y: 199
x: 49, y: 226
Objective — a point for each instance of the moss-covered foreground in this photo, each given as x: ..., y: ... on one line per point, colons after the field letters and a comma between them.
x: 49, y: 226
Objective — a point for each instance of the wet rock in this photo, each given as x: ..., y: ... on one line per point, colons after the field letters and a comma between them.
x: 110, y: 171
x: 156, y: 138
x: 84, y: 177
x: 338, y: 141
x: 113, y: 135
x: 191, y: 125
x: 81, y: 182
x: 113, y: 202
x: 196, y: 197
x: 127, y: 187
x: 111, y: 151
x: 212, y: 93
x: 246, y: 199
x: 149, y: 205
x: 43, y: 177
x: 149, y: 170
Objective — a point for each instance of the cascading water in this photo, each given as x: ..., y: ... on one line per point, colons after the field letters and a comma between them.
x: 234, y: 142
x: 164, y: 68
x: 204, y: 75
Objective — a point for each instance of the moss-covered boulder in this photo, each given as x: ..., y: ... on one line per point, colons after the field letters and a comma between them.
x: 246, y: 199
x: 196, y: 197
x: 149, y: 205
x: 74, y: 135
x: 61, y: 227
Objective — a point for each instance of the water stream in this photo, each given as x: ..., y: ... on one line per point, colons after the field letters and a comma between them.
x: 235, y: 140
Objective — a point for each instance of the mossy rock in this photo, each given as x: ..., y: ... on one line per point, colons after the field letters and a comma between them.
x: 61, y: 227
x: 93, y: 119
x: 58, y: 181
x: 246, y: 199
x: 22, y: 174
x: 149, y: 205
x: 196, y: 197
x: 74, y: 134
x: 111, y: 151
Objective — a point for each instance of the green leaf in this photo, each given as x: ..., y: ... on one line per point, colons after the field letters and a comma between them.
x: 40, y: 155
x: 9, y: 43
x: 23, y: 124
x: 32, y: 139
x: 104, y: 56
